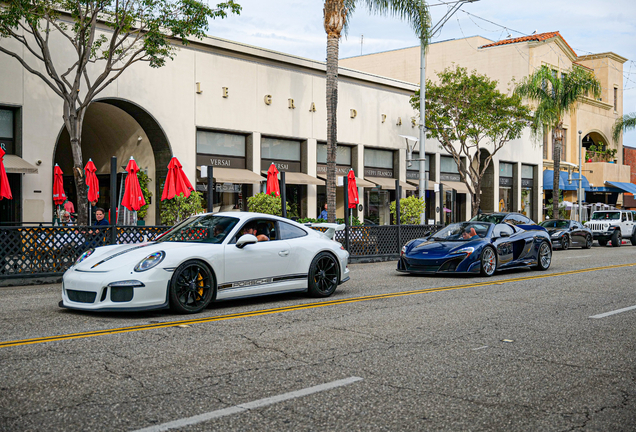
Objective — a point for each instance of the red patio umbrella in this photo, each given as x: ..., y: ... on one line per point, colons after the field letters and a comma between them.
x: 91, y: 181
x: 272, y: 181
x: 58, y: 186
x: 5, y: 190
x: 354, y: 200
x: 133, y: 199
x: 176, y: 181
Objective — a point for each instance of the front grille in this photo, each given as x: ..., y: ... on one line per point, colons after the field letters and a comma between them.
x: 81, y: 296
x: 597, y: 226
x: 121, y: 294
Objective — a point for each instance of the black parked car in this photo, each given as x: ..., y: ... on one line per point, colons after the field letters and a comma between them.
x: 566, y: 233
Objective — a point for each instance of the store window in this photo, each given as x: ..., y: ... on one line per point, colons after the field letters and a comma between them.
x: 505, y: 186
x: 343, y: 165
x: 527, y: 190
x: 6, y: 131
x: 378, y: 168
x: 10, y: 210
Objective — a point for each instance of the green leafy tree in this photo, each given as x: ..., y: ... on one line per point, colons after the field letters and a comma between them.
x: 411, y: 209
x: 563, y: 213
x: 105, y: 38
x: 555, y: 97
x: 336, y: 14
x: 145, y: 191
x: 465, y: 112
x: 270, y: 204
x: 625, y: 123
x: 180, y: 208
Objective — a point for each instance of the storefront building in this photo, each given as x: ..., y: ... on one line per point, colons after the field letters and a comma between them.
x: 230, y: 106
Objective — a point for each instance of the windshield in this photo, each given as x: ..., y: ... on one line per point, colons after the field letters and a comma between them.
x: 201, y: 229
x: 463, y: 231
x: 555, y: 224
x: 491, y: 218
x: 606, y: 215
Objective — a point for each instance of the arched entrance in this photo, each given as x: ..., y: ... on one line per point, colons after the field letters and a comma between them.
x: 597, y: 148
x: 117, y: 127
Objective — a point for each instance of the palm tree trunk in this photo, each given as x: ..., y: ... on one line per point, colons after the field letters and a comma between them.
x: 556, y: 157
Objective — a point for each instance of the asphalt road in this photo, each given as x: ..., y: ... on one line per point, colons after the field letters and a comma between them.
x: 515, y: 352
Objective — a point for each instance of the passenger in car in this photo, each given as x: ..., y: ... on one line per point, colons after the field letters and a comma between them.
x: 469, y: 234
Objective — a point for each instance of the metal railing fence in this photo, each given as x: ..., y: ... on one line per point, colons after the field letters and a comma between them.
x: 27, y: 252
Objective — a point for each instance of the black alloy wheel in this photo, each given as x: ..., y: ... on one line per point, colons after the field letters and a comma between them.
x: 633, y: 239
x: 565, y: 242
x: 544, y: 258
x: 588, y: 242
x: 617, y: 239
x: 323, y: 275
x: 488, y: 262
x: 191, y: 287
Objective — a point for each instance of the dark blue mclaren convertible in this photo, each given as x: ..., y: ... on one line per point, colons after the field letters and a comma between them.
x: 477, y: 247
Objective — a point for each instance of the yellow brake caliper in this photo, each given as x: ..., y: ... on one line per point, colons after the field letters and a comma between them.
x: 200, y: 283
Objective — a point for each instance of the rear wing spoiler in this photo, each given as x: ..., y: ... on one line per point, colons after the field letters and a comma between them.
x: 331, y: 228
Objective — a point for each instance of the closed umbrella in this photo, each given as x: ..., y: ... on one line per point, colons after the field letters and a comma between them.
x: 91, y: 181
x: 58, y: 186
x: 133, y: 199
x: 272, y: 181
x: 5, y: 190
x: 176, y: 182
x: 354, y: 200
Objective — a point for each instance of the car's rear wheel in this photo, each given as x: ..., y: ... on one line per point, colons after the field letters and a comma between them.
x: 488, y: 262
x: 602, y: 242
x: 191, y: 287
x: 544, y: 258
x: 617, y: 239
x: 323, y: 275
x: 633, y: 239
x: 565, y: 243
x: 588, y: 242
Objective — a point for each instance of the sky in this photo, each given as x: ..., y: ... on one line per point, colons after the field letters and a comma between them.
x: 589, y: 26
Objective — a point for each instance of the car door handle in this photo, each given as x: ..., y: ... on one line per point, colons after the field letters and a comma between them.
x: 283, y: 253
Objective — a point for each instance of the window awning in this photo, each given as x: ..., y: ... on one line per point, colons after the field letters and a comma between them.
x: 359, y: 182
x: 460, y: 187
x: 585, y: 184
x: 229, y: 175
x: 416, y: 183
x: 16, y: 165
x: 564, y: 184
x: 626, y: 187
x: 384, y: 183
x: 407, y: 186
x: 300, y: 179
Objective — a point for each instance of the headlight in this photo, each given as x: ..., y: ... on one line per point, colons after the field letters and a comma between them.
x: 150, y: 261
x: 83, y: 256
x: 403, y: 249
x: 467, y: 250
x: 557, y: 234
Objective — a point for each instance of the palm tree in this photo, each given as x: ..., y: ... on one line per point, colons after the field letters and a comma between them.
x: 336, y: 18
x: 555, y: 97
x: 625, y: 123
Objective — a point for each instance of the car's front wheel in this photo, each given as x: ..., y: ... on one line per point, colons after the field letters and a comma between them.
x: 323, y: 275
x: 617, y: 239
x: 488, y: 262
x: 588, y: 242
x: 633, y: 239
x: 191, y: 287
x: 545, y: 256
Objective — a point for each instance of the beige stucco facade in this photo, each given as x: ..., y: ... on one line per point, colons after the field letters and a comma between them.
x: 213, y: 85
x: 509, y: 63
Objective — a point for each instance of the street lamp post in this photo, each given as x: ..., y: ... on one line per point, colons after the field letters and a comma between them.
x: 422, y: 168
x: 579, y: 189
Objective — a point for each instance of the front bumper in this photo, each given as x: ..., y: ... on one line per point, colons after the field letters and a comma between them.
x: 113, y: 291
x: 452, y: 264
x: 606, y: 235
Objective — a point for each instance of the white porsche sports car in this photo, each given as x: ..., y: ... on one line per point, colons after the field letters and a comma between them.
x: 208, y: 258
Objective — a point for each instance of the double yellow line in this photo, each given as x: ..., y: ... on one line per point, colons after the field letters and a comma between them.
x: 261, y: 312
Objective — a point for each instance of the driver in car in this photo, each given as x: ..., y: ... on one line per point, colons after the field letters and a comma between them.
x: 469, y: 233
x: 251, y: 228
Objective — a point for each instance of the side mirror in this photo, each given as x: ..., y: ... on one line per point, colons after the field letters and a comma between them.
x: 246, y: 239
x: 505, y: 234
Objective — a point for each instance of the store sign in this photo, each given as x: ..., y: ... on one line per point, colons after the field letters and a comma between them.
x: 450, y: 177
x: 378, y: 172
x: 227, y: 187
x: 505, y: 181
x: 220, y: 161
x: 291, y: 166
x: 527, y: 183
x: 340, y: 169
x: 6, y: 145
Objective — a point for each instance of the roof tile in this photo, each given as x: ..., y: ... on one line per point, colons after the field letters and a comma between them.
x: 536, y: 37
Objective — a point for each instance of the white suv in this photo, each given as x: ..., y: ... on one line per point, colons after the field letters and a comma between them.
x: 612, y: 225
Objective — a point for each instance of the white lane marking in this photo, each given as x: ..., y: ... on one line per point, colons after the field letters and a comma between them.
x: 480, y: 348
x: 248, y: 406
x: 576, y: 257
x: 606, y: 314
